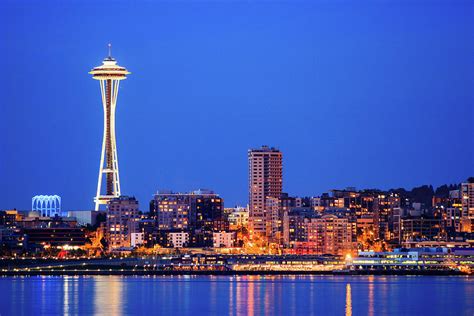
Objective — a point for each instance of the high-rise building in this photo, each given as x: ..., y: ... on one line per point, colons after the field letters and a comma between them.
x: 122, y: 221
x: 265, y: 181
x: 467, y: 201
x: 109, y: 75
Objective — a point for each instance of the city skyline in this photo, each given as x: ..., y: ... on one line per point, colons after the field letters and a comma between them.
x: 277, y: 157
x: 177, y: 117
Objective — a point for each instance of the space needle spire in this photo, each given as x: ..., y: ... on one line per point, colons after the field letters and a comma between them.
x: 109, y: 75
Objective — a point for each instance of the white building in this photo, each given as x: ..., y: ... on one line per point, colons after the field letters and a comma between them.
x: 137, y: 239
x: 178, y: 239
x: 223, y: 239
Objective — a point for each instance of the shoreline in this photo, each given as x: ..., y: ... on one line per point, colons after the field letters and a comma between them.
x: 226, y: 273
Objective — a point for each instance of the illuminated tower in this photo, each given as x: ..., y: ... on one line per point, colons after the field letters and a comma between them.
x: 109, y: 75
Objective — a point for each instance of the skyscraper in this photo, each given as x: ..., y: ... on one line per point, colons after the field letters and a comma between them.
x: 265, y: 181
x: 109, y: 75
x: 467, y: 215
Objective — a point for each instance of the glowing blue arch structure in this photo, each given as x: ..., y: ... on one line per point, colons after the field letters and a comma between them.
x: 46, y: 205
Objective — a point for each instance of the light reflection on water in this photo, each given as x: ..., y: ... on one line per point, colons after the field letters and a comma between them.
x: 108, y: 295
x: 370, y: 308
x: 348, y: 300
x: 236, y: 295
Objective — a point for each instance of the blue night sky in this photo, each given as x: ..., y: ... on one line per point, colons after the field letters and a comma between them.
x: 355, y: 93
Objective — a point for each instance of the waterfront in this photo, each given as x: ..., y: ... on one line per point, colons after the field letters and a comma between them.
x: 237, y: 295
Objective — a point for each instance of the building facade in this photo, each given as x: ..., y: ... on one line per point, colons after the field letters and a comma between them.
x: 308, y: 233
x: 238, y: 218
x: 224, y: 239
x: 199, y: 213
x: 467, y: 200
x: 172, y: 210
x: 122, y: 221
x: 273, y: 220
x: 331, y: 234
x: 178, y: 239
x: 56, y: 237
x: 137, y: 239
x: 421, y: 228
x: 265, y: 181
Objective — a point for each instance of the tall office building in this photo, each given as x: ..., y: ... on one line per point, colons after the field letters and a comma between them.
x: 467, y: 200
x: 109, y: 75
x: 122, y: 221
x: 265, y: 185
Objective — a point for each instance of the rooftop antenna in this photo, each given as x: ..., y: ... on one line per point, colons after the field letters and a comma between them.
x: 110, y: 50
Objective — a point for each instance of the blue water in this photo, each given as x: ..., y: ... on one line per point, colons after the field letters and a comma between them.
x: 237, y: 295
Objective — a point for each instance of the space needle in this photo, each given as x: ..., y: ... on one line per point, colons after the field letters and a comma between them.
x: 109, y: 75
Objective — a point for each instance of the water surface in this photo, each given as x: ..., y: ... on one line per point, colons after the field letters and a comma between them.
x: 237, y: 295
